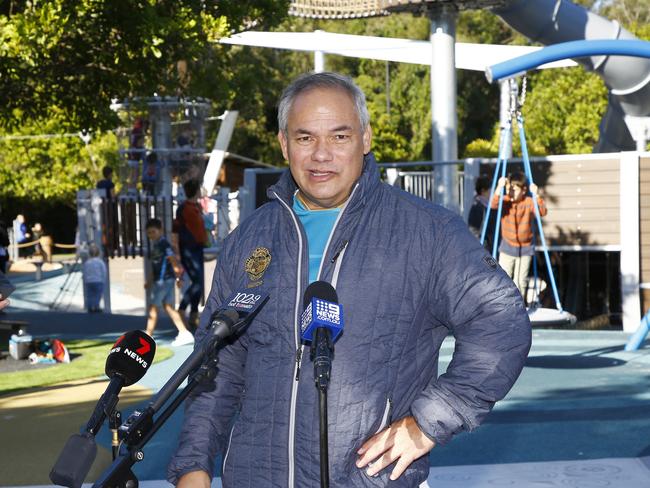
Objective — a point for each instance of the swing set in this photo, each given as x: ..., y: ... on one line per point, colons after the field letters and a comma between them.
x: 537, y: 314
x: 576, y: 49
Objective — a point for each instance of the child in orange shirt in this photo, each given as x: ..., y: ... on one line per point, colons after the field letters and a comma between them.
x: 518, y: 213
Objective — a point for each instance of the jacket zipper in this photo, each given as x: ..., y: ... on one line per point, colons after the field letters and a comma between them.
x: 338, y: 253
x: 335, y: 278
x: 385, y: 416
x: 300, y: 347
x: 294, y: 385
x: 232, y: 430
x: 298, y: 359
x: 225, y: 457
x: 338, y: 258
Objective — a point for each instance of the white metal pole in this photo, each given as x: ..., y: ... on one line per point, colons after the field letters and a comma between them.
x: 443, y: 105
x: 504, y: 115
x: 319, y: 61
x: 319, y: 57
x: 630, y: 251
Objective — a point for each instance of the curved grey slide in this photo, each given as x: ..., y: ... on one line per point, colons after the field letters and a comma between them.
x: 627, y: 78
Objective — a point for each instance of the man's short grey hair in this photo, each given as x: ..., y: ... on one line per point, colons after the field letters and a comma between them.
x: 310, y: 81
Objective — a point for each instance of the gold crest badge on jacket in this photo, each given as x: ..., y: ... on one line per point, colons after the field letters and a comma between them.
x: 256, y: 264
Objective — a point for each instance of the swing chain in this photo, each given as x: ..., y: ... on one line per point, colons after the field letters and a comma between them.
x: 522, y: 97
x: 513, y: 98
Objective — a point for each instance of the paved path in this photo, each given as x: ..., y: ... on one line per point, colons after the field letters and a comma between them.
x: 579, y: 416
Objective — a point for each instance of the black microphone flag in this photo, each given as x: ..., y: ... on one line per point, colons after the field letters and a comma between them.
x: 130, y: 357
x: 127, y: 362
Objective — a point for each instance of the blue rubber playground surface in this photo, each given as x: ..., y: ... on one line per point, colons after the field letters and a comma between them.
x: 579, y: 415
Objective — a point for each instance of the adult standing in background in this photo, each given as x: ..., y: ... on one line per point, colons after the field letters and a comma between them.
x: 107, y: 183
x: 479, y: 209
x: 37, y: 233
x: 4, y: 247
x: 21, y: 236
x: 192, y: 239
x: 517, y: 246
x: 94, y: 272
x: 4, y: 284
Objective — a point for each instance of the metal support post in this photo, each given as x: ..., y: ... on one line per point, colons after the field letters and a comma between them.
x: 443, y: 104
x: 505, y: 114
x: 223, y: 214
x: 161, y: 122
x: 319, y: 59
x: 97, y: 238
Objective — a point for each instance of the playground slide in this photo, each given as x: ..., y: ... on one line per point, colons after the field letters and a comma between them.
x: 628, y: 79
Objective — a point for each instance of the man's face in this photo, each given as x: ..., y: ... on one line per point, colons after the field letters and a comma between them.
x: 325, y: 145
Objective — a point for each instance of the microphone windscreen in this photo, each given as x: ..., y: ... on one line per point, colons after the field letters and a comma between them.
x: 320, y: 310
x: 75, y: 461
x: 131, y: 356
x: 322, y: 290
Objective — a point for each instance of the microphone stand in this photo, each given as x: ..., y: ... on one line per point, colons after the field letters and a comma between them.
x: 140, y: 427
x: 80, y: 450
x: 114, y: 421
x: 321, y: 355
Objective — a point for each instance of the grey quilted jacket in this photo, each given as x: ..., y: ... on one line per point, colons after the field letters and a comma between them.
x: 407, y: 273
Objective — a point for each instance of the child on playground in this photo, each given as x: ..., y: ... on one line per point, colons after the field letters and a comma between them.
x: 94, y: 276
x: 516, y: 249
x: 163, y: 273
x: 478, y: 210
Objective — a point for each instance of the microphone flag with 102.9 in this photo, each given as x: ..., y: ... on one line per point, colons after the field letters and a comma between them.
x: 227, y: 321
x: 240, y: 309
x: 127, y: 362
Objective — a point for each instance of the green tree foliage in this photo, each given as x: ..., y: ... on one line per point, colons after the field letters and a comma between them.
x: 403, y: 133
x: 562, y: 112
x: 564, y: 107
x: 631, y: 13
x: 52, y: 165
x: 400, y: 107
x: 478, y: 101
x: 78, y: 55
x: 63, y: 61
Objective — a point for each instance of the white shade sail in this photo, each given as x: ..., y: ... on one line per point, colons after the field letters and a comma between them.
x: 469, y: 56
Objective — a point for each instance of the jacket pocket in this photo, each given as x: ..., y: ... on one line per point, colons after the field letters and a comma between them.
x: 385, y: 418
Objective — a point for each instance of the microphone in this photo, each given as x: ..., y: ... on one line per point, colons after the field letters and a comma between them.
x: 199, y: 367
x: 321, y: 310
x: 321, y: 323
x: 231, y: 319
x: 241, y: 308
x: 126, y: 364
x: 130, y: 357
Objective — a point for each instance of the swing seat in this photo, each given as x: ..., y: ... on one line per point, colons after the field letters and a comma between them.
x: 550, y: 317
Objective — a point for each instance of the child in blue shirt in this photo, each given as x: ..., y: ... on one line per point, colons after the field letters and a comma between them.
x: 164, y: 273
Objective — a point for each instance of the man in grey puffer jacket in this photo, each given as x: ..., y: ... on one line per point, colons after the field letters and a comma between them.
x: 407, y: 273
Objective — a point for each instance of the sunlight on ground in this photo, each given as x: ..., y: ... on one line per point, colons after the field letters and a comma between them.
x: 35, y: 425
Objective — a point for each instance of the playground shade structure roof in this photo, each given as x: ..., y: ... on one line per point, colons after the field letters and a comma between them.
x: 348, y: 9
x: 468, y: 56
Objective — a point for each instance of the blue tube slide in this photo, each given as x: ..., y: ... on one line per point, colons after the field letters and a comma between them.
x: 636, y: 340
x: 565, y: 50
